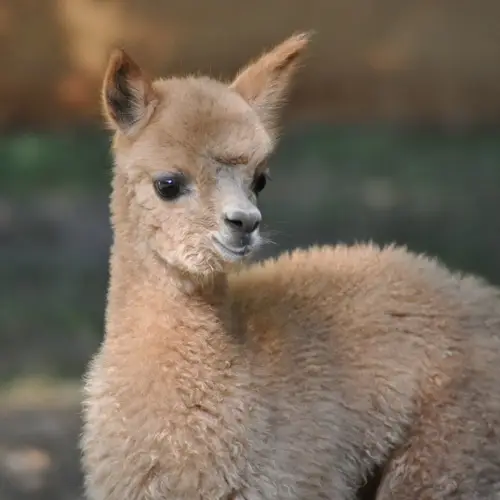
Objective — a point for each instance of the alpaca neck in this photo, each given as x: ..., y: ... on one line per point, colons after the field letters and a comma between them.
x: 149, y: 298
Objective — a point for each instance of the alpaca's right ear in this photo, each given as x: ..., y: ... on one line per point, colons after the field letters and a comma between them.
x: 128, y: 97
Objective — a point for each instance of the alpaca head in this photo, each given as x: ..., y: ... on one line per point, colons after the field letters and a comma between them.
x: 190, y: 158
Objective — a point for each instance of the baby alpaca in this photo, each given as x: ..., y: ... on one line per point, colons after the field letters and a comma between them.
x: 295, y: 378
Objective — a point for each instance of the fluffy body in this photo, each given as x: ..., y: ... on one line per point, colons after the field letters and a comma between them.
x: 290, y: 379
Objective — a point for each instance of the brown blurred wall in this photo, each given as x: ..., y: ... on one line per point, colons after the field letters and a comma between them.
x: 398, y: 60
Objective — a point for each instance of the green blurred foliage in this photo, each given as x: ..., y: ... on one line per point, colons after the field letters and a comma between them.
x: 436, y: 192
x: 46, y: 161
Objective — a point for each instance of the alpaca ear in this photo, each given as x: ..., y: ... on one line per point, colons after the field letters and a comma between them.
x: 264, y: 82
x: 128, y: 97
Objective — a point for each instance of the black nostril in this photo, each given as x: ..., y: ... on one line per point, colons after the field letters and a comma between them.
x: 246, y: 222
x: 236, y: 223
x: 255, y: 226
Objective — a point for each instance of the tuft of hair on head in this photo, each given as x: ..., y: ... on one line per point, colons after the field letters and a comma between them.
x: 128, y: 97
x: 265, y: 81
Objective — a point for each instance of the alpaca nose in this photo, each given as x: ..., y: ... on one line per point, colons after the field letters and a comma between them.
x: 243, y: 221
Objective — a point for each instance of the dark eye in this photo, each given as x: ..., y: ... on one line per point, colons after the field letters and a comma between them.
x: 259, y: 183
x: 170, y: 187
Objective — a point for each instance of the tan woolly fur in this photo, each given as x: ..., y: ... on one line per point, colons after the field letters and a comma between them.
x: 297, y: 378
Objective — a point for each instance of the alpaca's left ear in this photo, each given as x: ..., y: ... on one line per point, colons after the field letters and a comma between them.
x: 128, y: 98
x: 263, y: 83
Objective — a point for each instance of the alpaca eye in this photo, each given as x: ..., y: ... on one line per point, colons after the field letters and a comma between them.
x: 170, y: 187
x: 259, y: 183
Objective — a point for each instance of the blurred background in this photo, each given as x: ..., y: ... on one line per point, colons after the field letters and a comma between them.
x: 392, y: 134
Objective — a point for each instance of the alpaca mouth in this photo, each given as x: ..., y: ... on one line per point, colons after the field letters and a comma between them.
x: 228, y: 251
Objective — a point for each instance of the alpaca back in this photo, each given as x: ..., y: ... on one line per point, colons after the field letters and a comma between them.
x: 380, y: 338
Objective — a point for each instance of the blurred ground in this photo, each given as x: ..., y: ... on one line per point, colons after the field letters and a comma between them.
x: 39, y: 428
x: 393, y: 134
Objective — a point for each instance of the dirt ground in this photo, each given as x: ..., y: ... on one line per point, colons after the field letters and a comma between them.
x: 35, y: 459
x: 39, y: 457
x: 39, y: 429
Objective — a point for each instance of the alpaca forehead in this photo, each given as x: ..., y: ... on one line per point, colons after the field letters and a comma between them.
x: 205, y: 117
x: 199, y: 95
